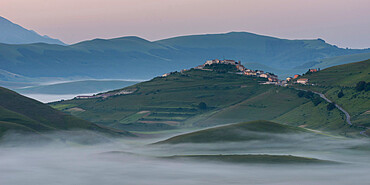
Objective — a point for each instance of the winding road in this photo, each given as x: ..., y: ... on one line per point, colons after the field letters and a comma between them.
x: 348, y: 117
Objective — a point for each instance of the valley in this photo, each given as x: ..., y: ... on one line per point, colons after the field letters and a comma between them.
x: 113, y: 92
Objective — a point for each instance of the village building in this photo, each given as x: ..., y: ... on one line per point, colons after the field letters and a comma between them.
x: 165, y: 75
x: 296, y: 76
x: 259, y: 72
x: 273, y: 79
x: 263, y: 75
x: 240, y: 68
x: 312, y: 70
x: 289, y: 79
x: 302, y: 81
x: 84, y: 97
x: 217, y: 61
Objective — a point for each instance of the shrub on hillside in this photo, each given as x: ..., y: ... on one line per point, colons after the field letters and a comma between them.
x: 301, y: 94
x: 340, y: 94
x: 316, y: 101
x: 360, y: 86
x: 330, y: 106
x: 202, y: 106
x: 367, y: 86
x: 221, y: 68
x: 309, y: 95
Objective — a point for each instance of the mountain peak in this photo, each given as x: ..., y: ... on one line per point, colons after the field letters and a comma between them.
x: 11, y: 33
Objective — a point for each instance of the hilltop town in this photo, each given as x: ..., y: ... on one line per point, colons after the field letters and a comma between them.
x: 229, y: 66
x: 239, y: 69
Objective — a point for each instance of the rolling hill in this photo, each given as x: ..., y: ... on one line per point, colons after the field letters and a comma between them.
x: 11, y: 33
x: 137, y: 58
x: 343, y: 78
x: 19, y: 113
x: 197, y: 98
x: 246, y: 131
x: 253, y: 159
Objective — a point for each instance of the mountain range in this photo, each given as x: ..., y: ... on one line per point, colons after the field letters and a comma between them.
x: 136, y: 58
x: 11, y: 33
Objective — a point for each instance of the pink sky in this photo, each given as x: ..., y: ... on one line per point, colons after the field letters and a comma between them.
x: 345, y: 23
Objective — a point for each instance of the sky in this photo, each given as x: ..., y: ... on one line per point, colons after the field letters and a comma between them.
x: 344, y: 23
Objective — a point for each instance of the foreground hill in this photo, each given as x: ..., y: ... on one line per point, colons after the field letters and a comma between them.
x: 11, y: 33
x: 339, y: 83
x: 19, y: 113
x: 137, y: 58
x: 198, y: 98
x: 247, y: 131
x: 253, y: 159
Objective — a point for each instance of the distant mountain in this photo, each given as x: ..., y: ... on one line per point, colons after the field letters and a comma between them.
x: 11, y: 33
x: 77, y: 87
x: 19, y: 113
x: 134, y: 57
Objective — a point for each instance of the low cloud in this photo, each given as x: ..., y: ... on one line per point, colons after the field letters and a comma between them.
x: 114, y: 161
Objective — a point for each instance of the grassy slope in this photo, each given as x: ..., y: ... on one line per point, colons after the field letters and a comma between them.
x: 267, y: 105
x: 332, y: 80
x: 346, y: 75
x: 172, y: 102
x: 172, y: 99
x: 235, y: 132
x: 23, y: 112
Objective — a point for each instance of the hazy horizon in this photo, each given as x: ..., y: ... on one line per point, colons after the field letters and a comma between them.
x: 338, y: 22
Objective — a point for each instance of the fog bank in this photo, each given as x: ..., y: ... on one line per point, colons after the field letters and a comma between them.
x: 121, y: 161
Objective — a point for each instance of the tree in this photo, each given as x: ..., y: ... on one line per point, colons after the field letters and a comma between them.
x: 301, y: 94
x: 316, y: 101
x: 202, y: 106
x: 309, y: 95
x: 340, y: 94
x: 330, y: 106
x: 360, y: 86
x: 367, y: 87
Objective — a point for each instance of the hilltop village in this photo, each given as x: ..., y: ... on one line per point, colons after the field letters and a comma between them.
x: 230, y: 66
x: 239, y: 69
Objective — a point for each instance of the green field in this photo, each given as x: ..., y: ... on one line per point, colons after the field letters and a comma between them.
x: 172, y: 102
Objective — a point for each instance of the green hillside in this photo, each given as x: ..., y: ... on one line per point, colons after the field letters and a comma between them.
x: 137, y: 58
x: 246, y: 131
x: 346, y: 75
x: 20, y: 113
x: 344, y: 78
x: 77, y: 87
x: 164, y: 103
x: 174, y: 101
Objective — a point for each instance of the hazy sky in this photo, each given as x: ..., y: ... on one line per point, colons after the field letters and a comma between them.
x: 345, y: 23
